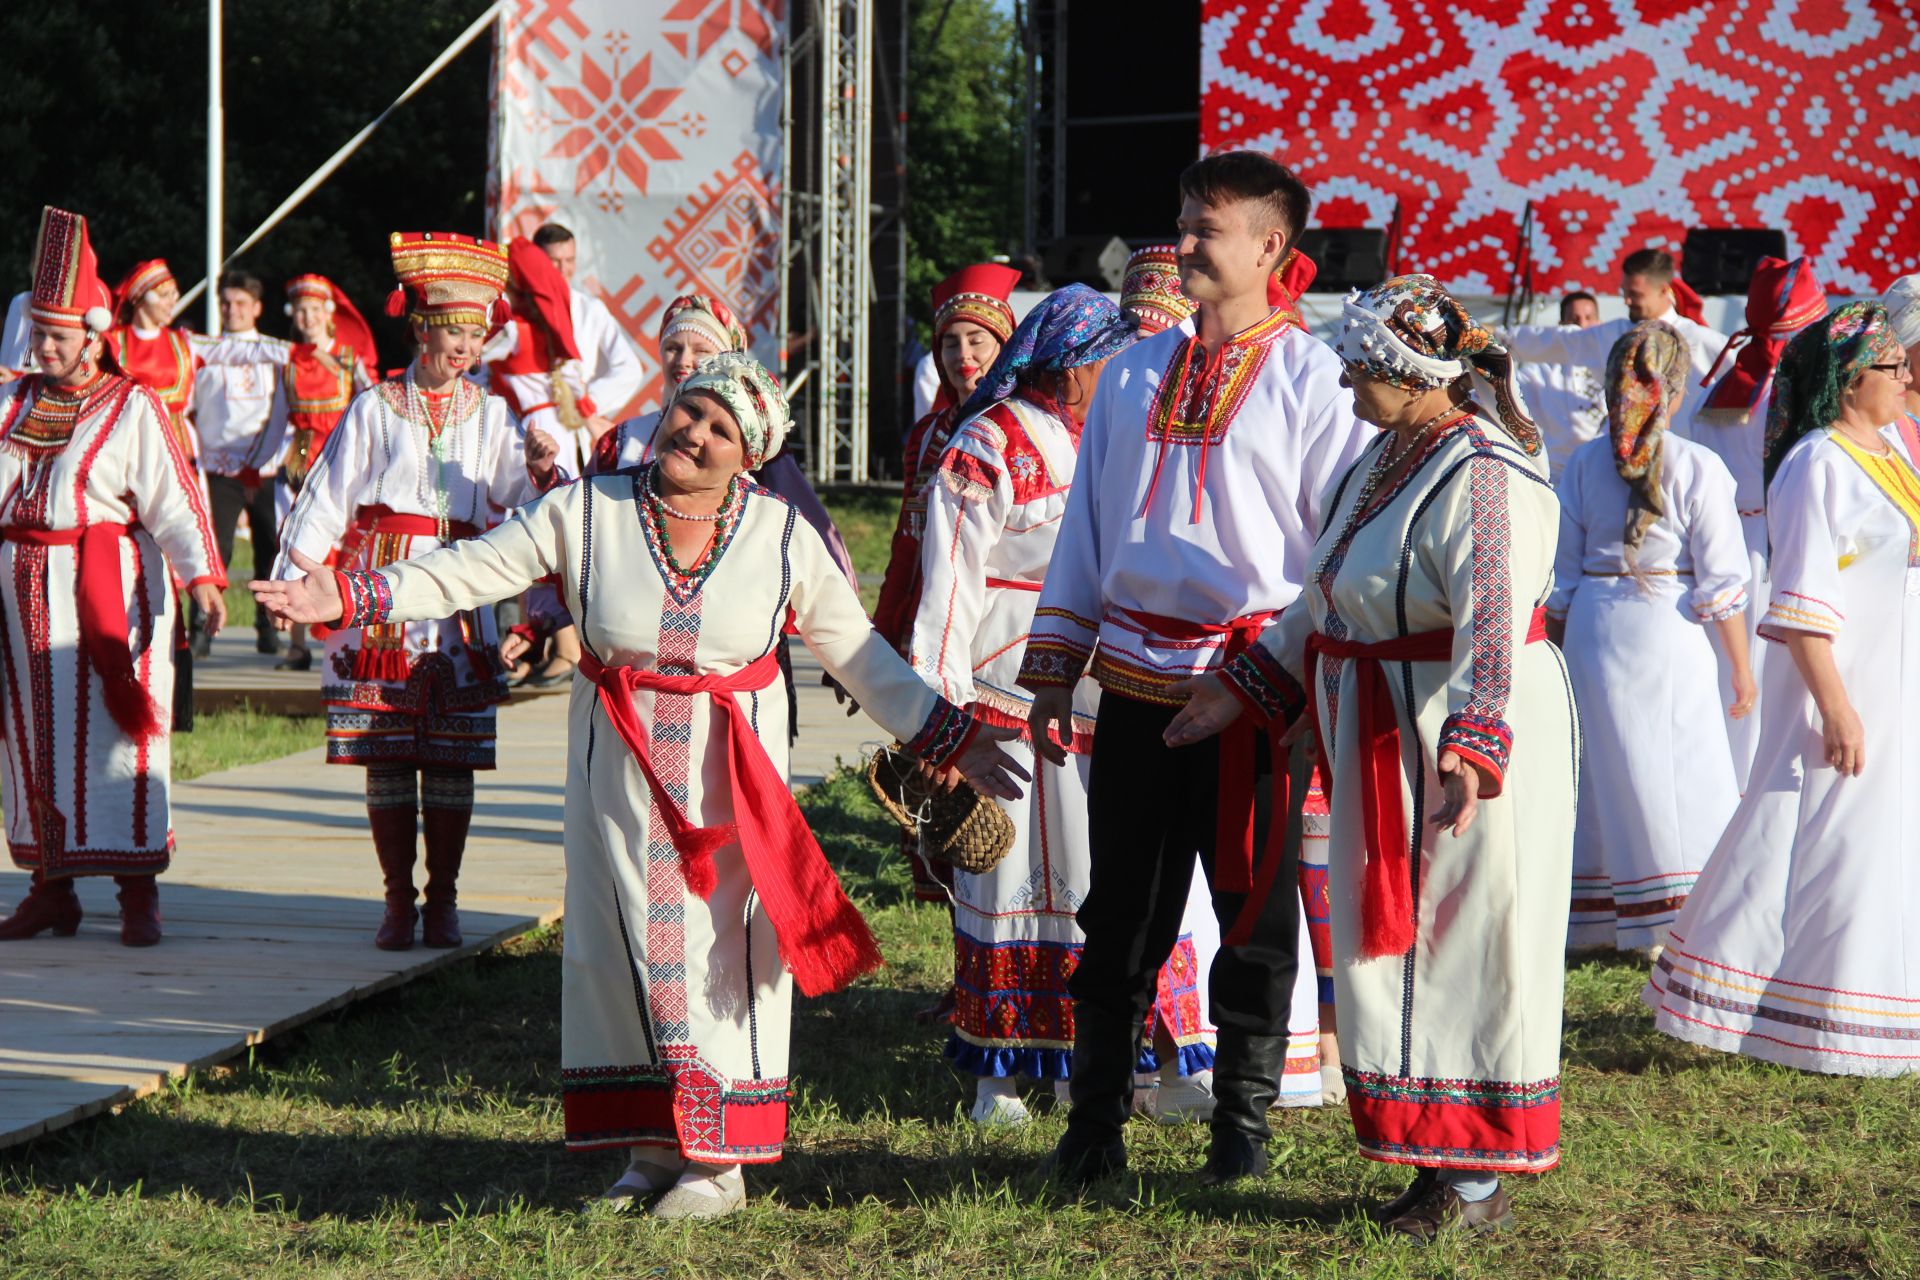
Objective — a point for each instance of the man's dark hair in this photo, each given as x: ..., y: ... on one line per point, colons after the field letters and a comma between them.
x: 551, y: 233
x: 1654, y: 264
x: 244, y: 280
x: 1228, y: 176
x: 1566, y: 304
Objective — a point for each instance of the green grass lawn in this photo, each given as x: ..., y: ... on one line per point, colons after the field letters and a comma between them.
x: 416, y: 1135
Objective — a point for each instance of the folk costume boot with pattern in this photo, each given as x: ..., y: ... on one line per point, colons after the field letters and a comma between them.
x: 446, y: 811
x: 393, y: 817
x: 1105, y: 1047
x: 1246, y: 1073
x: 139, y: 910
x: 49, y: 904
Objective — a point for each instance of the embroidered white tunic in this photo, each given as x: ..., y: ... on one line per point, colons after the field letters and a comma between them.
x: 674, y: 1009
x: 1658, y: 783
x: 1568, y: 403
x: 1801, y: 941
x: 233, y: 395
x: 1451, y: 1051
x: 423, y: 691
x: 80, y: 796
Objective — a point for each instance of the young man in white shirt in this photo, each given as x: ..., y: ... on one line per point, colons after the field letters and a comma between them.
x: 1567, y: 400
x: 232, y: 400
x: 1195, y: 504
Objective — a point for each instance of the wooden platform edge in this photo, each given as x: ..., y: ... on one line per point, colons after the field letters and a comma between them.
x: 122, y: 1096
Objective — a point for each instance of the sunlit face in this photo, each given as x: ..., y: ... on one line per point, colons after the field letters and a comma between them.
x: 239, y: 311
x: 563, y: 254
x: 699, y: 445
x: 1646, y: 298
x: 447, y: 351
x: 310, y: 320
x: 1376, y: 400
x: 64, y: 354
x: 967, y: 351
x: 1226, y: 251
x: 155, y: 309
x: 682, y: 351
x: 1583, y: 312
x: 1878, y: 393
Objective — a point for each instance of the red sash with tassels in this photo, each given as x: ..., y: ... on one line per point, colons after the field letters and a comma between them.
x: 388, y: 665
x: 102, y: 606
x: 822, y: 936
x: 1386, y: 891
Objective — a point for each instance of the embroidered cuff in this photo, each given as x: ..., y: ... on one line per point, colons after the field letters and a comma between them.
x: 1482, y: 741
x: 944, y: 736
x: 1726, y: 605
x: 1264, y: 686
x: 366, y: 598
x: 1791, y: 611
x: 556, y: 479
x: 1053, y: 664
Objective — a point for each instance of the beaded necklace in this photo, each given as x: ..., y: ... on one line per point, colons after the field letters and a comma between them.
x: 456, y: 406
x: 1428, y: 433
x: 657, y: 513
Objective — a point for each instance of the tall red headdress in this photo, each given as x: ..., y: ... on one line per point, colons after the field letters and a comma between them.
x: 978, y: 293
x: 541, y: 305
x: 1782, y: 299
x: 67, y: 292
x: 446, y: 278
x: 1151, y: 288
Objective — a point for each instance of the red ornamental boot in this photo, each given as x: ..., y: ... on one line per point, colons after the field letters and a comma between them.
x: 394, y: 835
x: 50, y: 904
x: 446, y: 811
x: 139, y: 910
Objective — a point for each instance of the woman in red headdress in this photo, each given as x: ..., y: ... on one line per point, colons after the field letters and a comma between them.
x: 416, y: 463
x: 146, y: 346
x: 94, y: 490
x: 333, y: 361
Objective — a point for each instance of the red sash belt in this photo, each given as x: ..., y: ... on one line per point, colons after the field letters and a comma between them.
x: 822, y: 937
x: 1008, y: 584
x: 1386, y: 901
x: 368, y: 521
x: 1233, y: 853
x: 102, y: 604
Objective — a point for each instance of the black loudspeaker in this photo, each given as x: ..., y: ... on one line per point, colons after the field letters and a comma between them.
x: 1721, y: 259
x: 1346, y: 257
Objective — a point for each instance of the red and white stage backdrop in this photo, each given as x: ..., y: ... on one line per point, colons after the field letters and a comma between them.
x: 1624, y: 122
x: 651, y: 129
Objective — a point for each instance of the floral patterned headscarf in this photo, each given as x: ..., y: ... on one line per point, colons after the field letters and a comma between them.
x: 1818, y: 367
x: 706, y: 316
x: 1412, y: 333
x: 1646, y: 380
x: 751, y: 394
x: 1071, y: 327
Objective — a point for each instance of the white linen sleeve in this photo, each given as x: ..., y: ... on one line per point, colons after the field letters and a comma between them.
x: 1336, y: 439
x: 509, y: 484
x: 1268, y: 677
x: 1803, y: 571
x: 967, y: 503
x: 832, y: 624
x: 502, y: 562
x: 1716, y: 545
x: 1566, y: 343
x: 165, y: 493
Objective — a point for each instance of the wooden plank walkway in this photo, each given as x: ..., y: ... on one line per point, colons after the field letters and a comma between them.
x: 269, y: 913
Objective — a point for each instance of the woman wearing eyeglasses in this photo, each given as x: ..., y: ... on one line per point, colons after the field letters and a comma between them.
x: 1801, y: 942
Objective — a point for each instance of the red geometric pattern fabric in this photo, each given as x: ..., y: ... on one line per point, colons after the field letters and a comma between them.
x: 1624, y: 122
x: 651, y: 129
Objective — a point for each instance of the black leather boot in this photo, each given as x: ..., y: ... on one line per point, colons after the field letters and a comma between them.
x: 1104, y: 1048
x: 1246, y: 1076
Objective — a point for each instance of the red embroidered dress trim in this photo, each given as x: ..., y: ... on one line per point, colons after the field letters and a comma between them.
x: 1496, y: 1126
x: 683, y: 1106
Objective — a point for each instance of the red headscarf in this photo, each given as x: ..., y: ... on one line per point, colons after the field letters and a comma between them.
x: 1687, y: 302
x: 1782, y: 299
x: 1288, y: 281
x: 541, y: 306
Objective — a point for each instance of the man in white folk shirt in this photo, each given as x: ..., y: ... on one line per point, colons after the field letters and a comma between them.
x: 1567, y: 400
x: 611, y: 365
x: 1651, y: 286
x: 1196, y: 500
x: 232, y: 400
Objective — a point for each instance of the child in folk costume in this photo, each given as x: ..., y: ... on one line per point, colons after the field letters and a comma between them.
x: 1798, y: 944
x: 1453, y: 744
x: 97, y: 501
x: 992, y: 512
x: 696, y: 897
x: 419, y: 462
x: 1195, y: 499
x: 1650, y: 556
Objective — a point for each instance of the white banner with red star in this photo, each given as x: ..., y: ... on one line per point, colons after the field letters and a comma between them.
x: 1624, y: 122
x: 651, y: 130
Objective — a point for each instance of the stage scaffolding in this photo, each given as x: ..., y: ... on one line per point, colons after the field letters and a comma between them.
x: 843, y: 235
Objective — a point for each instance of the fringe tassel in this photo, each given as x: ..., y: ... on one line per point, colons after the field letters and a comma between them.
x: 386, y: 666
x: 131, y: 708
x: 697, y: 845
x: 835, y: 955
x: 1386, y: 908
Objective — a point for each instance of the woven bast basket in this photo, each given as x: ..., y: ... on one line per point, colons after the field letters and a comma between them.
x: 960, y: 826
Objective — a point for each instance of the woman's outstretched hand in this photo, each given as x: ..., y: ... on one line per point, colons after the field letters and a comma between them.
x: 1210, y: 708
x: 314, y: 598
x: 990, y: 770
x: 1460, y: 782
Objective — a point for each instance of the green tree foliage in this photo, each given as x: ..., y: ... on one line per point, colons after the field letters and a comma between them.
x: 108, y: 100
x: 966, y: 167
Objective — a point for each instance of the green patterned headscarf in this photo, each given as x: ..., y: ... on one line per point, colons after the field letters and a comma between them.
x: 1819, y: 365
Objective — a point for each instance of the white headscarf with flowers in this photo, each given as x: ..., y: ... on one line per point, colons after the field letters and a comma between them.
x: 751, y: 394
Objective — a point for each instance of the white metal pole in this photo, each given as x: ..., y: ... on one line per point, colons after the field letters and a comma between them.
x: 216, y: 163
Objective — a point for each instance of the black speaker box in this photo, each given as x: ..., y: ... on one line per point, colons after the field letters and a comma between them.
x: 1721, y: 259
x: 1347, y: 257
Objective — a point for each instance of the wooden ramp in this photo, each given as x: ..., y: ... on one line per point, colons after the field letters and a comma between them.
x: 269, y: 913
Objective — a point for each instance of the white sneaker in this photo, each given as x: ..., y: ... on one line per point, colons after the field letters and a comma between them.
x: 1000, y: 1111
x: 703, y: 1195
x: 1184, y: 1099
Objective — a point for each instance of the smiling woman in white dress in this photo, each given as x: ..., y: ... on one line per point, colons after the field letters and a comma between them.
x: 696, y: 897
x: 1651, y: 555
x: 1799, y: 942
